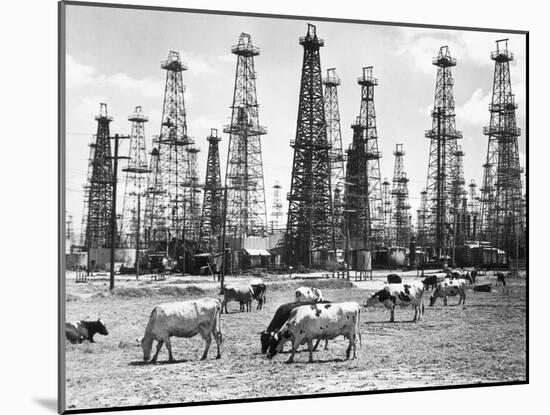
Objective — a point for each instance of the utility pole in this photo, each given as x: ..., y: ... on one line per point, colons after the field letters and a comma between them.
x: 115, y: 157
x: 138, y: 223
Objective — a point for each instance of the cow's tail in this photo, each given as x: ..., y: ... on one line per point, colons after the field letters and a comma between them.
x: 359, y: 327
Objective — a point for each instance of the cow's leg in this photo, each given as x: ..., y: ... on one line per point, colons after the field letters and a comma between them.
x: 208, y: 340
x: 415, y: 313
x: 310, y: 350
x: 326, y: 344
x: 295, y: 345
x: 218, y: 338
x: 159, y: 346
x: 445, y: 300
x: 392, y: 314
x: 169, y: 347
x: 316, y: 345
x: 348, y: 350
x: 224, y: 304
x: 354, y: 345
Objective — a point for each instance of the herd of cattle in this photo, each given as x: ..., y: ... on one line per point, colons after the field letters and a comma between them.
x: 308, y: 318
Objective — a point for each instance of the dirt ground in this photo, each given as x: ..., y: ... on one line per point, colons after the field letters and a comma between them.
x: 482, y: 342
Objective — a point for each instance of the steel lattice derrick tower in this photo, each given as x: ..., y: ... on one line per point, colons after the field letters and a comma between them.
x: 422, y: 220
x: 98, y: 229
x: 502, y: 216
x: 136, y: 182
x: 387, y: 210
x: 401, y: 221
x: 246, y: 209
x: 211, y: 220
x: 334, y: 137
x: 367, y: 118
x: 458, y: 197
x: 473, y: 210
x: 192, y: 209
x: 443, y: 146
x: 169, y: 161
x: 356, y: 197
x: 276, y: 209
x: 309, y: 221
x: 86, y: 188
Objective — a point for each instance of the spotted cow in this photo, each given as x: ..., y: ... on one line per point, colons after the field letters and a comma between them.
x: 403, y: 295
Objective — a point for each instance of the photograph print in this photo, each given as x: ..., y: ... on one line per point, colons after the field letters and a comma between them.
x: 266, y: 207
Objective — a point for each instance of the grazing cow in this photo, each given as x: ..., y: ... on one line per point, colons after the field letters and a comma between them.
x: 281, y: 316
x: 243, y: 294
x: 307, y: 294
x: 183, y: 319
x: 394, y: 279
x: 500, y: 279
x: 449, y: 288
x: 85, y: 330
x: 318, y: 321
x: 473, y: 275
x: 72, y: 333
x: 402, y: 295
x: 259, y: 294
x: 431, y: 281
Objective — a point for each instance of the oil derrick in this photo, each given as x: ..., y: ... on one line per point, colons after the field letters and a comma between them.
x: 69, y: 232
x: 98, y: 226
x: 86, y: 188
x: 276, y: 209
x: 502, y: 216
x: 443, y: 146
x: 473, y: 211
x: 386, y: 210
x: 458, y: 198
x: 309, y: 222
x: 136, y: 183
x: 211, y: 219
x: 356, y: 198
x: 192, y: 209
x: 422, y: 220
x: 401, y: 223
x: 364, y: 197
x: 165, y: 211
x: 246, y: 210
x: 334, y: 137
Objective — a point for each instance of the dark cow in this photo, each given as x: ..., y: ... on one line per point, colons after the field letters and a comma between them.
x: 501, y: 279
x: 242, y: 293
x: 394, y: 279
x: 281, y: 316
x: 85, y: 330
x: 402, y: 295
x: 431, y: 281
x: 259, y: 294
x: 473, y: 276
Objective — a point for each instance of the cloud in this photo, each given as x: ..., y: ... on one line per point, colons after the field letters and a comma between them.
x: 475, y: 110
x: 198, y: 64
x: 80, y: 75
x: 227, y: 58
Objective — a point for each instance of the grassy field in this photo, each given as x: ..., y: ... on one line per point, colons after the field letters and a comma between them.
x: 479, y: 343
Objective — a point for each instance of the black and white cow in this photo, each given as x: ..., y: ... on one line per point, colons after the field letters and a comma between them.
x: 401, y: 295
x: 279, y: 319
x: 318, y: 321
x: 431, y: 281
x: 259, y: 294
x: 449, y: 288
x: 307, y: 294
x: 85, y: 330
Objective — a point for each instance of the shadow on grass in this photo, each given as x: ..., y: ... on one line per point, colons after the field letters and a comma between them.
x: 161, y: 363
x: 48, y: 403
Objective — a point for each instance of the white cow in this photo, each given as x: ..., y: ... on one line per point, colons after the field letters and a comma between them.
x: 449, y: 288
x: 318, y: 321
x: 402, y: 295
x: 183, y: 319
x: 308, y: 294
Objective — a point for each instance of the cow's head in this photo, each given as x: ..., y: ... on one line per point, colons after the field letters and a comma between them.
x: 265, y: 339
x: 377, y: 298
x: 146, y: 346
x: 277, y: 342
x: 101, y: 329
x: 434, y: 295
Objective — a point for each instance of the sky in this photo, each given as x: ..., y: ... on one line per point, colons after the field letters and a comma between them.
x: 114, y: 55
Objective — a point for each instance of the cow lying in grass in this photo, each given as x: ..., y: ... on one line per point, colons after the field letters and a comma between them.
x: 401, y: 295
x: 84, y: 330
x: 183, y: 319
x: 318, y: 321
x: 449, y: 288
